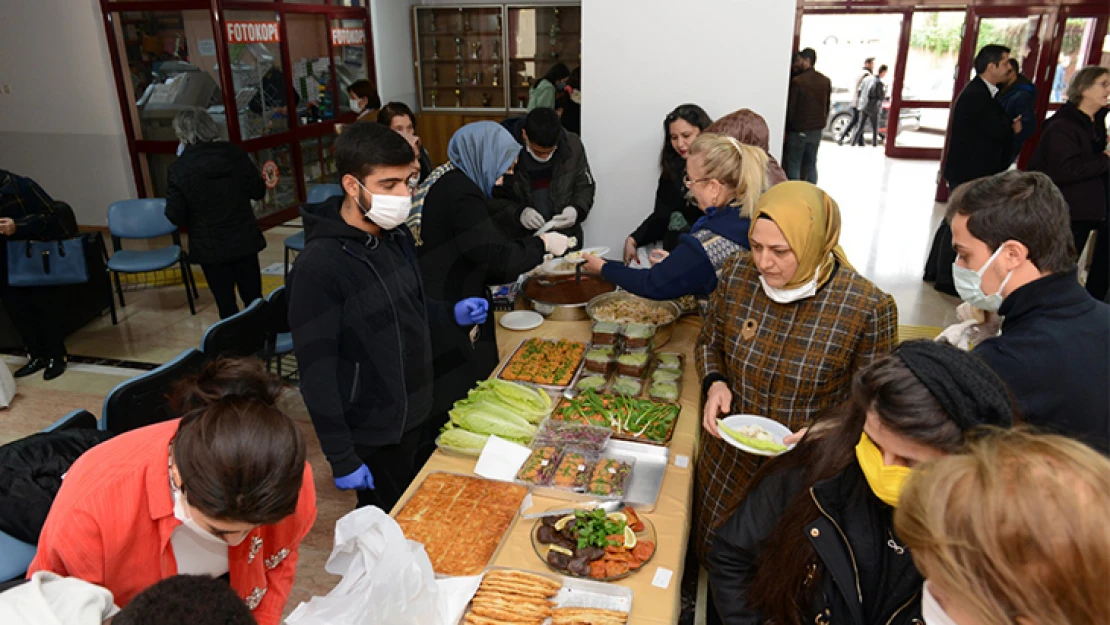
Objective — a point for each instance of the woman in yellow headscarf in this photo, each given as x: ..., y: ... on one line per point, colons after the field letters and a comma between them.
x: 788, y: 327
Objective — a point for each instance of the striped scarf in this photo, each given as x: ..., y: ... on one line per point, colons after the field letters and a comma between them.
x: 416, y: 214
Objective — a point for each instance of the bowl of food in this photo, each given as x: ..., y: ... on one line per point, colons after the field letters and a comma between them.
x: 594, y: 544
x: 564, y: 298
x: 625, y: 308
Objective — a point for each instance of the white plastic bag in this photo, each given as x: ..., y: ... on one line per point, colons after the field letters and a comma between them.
x: 7, y: 386
x: 387, y: 579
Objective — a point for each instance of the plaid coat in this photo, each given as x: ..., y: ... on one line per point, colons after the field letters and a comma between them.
x: 799, y: 362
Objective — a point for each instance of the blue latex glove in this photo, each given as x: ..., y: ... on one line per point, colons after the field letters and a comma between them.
x: 471, y: 311
x: 359, y: 480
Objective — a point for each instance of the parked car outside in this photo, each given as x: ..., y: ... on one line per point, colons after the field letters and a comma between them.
x: 840, y: 115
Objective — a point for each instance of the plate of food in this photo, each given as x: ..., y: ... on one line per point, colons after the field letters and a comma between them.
x: 568, y: 265
x: 755, y: 435
x: 593, y: 544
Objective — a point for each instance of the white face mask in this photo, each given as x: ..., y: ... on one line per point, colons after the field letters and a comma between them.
x: 538, y: 159
x: 387, y: 211
x: 789, y: 296
x: 931, y: 611
x: 180, y: 148
x: 355, y: 106
x: 969, y: 284
x: 181, y: 512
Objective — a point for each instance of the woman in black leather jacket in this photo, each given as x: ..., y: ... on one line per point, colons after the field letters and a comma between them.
x: 814, y: 540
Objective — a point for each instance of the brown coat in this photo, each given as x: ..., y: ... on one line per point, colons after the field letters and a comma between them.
x: 807, y: 107
x: 800, y: 362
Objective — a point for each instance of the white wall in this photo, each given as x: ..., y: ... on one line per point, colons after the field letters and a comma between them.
x: 641, y: 58
x: 61, y: 123
x: 391, y: 25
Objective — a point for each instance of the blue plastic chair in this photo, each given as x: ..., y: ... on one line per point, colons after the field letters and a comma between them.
x: 143, y: 400
x: 317, y: 194
x: 279, y: 338
x: 16, y: 555
x: 241, y: 335
x: 145, y: 219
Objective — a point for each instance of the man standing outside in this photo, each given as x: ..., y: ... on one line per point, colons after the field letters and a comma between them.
x: 868, y: 67
x: 360, y: 319
x: 980, y: 142
x: 551, y: 183
x: 1016, y: 256
x: 1019, y: 97
x: 871, y: 106
x: 807, y: 111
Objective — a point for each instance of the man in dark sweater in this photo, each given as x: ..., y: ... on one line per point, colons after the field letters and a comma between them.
x: 1015, y: 255
x: 360, y: 319
x: 1019, y: 97
x: 807, y: 111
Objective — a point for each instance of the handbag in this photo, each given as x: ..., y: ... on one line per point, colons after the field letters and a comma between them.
x: 47, y: 263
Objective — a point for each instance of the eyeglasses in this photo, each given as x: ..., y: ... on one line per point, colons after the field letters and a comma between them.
x: 690, y: 183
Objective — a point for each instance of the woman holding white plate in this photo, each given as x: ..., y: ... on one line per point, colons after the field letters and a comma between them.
x: 814, y: 539
x: 789, y: 325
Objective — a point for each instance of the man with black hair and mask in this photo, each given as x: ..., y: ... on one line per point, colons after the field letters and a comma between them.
x: 551, y: 183
x: 360, y: 318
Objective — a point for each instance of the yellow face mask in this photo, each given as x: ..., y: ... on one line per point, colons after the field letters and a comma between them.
x: 885, y: 481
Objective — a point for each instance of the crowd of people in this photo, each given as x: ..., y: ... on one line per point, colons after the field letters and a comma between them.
x: 909, y: 456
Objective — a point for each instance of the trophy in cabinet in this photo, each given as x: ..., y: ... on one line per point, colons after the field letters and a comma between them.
x: 476, y: 78
x: 435, y: 49
x: 432, y: 99
x: 554, y: 51
x: 466, y: 22
x: 458, y: 74
x: 496, y: 74
x: 496, y: 48
x: 476, y: 50
x: 458, y: 47
x: 458, y: 98
x: 498, y: 23
x: 435, y: 75
x: 432, y: 22
x: 487, y: 101
x: 556, y: 27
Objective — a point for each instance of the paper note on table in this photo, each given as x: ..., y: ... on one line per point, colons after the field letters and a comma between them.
x: 500, y: 459
x: 681, y: 461
x: 662, y: 578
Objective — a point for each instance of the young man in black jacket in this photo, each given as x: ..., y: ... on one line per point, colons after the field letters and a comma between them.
x: 360, y: 319
x: 551, y: 182
x: 1015, y: 255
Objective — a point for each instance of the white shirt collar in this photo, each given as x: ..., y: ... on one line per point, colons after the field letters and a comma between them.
x: 992, y: 88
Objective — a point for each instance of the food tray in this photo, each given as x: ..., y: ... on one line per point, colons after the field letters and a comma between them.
x: 642, y: 491
x: 443, y: 549
x: 619, y: 436
x: 578, y: 593
x: 650, y: 378
x: 573, y: 380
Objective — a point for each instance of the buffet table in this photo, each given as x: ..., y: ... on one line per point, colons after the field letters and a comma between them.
x: 656, y: 587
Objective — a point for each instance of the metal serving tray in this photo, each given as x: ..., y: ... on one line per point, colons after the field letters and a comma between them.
x: 579, y: 593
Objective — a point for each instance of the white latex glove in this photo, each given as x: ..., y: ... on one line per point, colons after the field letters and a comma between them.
x: 531, y: 218
x: 555, y: 243
x: 958, y: 334
x: 565, y: 219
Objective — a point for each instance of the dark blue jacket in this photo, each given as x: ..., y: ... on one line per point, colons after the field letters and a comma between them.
x: 1054, y: 353
x: 688, y: 270
x: 1020, y: 99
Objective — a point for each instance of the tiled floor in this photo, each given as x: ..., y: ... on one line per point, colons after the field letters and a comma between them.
x: 888, y: 221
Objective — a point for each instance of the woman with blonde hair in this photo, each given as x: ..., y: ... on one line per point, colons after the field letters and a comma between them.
x: 1012, y: 532
x: 726, y: 178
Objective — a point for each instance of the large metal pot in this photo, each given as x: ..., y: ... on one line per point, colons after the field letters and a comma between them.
x: 663, y: 331
x: 559, y: 298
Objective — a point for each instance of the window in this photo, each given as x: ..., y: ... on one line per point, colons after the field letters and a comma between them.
x: 254, y: 49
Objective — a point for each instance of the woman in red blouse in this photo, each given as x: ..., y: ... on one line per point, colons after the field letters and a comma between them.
x: 225, y: 491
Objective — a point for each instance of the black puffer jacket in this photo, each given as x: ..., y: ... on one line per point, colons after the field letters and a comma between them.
x: 209, y: 192
x: 572, y: 184
x: 31, y: 471
x: 864, y: 579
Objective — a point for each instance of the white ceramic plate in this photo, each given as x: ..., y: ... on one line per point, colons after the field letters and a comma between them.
x: 575, y: 258
x: 778, y: 432
x: 521, y: 320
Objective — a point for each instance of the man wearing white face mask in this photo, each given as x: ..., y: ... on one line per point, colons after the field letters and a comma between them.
x: 360, y: 319
x: 1015, y: 255
x: 551, y: 183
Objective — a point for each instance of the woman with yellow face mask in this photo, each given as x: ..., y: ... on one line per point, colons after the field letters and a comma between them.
x: 814, y: 540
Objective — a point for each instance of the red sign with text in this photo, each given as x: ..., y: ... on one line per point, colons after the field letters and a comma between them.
x: 253, y: 32
x: 348, y: 37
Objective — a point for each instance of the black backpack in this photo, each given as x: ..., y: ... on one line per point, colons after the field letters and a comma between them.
x: 875, y: 94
